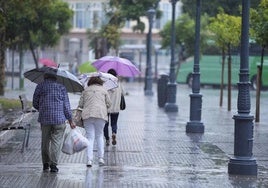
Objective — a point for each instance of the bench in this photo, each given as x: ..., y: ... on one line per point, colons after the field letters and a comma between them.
x: 27, y: 109
x: 21, y: 124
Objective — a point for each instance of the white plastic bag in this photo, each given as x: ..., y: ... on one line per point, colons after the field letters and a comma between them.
x: 74, y: 142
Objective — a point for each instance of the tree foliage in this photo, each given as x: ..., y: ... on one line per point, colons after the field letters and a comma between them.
x: 226, y: 32
x: 211, y: 7
x: 185, y: 33
x: 225, y: 29
x: 29, y: 24
x: 33, y: 23
x: 259, y: 23
x: 134, y: 10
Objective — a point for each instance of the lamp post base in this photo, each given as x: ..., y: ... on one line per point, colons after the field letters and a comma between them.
x: 242, y: 166
x: 195, y: 127
x: 148, y: 93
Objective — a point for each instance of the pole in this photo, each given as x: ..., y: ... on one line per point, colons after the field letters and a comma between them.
x: 149, y: 79
x: 195, y: 125
x: 139, y: 65
x: 156, y: 65
x: 170, y: 105
x: 243, y: 163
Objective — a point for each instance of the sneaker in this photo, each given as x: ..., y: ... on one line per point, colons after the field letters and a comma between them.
x: 101, y: 161
x: 89, y: 163
x: 53, y: 168
x: 107, y: 142
x: 45, y: 167
x: 114, y: 139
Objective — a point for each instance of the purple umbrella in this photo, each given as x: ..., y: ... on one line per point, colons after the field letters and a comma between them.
x: 122, y: 66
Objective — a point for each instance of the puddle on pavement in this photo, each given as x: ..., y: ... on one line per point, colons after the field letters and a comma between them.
x: 216, y: 154
x: 8, y: 148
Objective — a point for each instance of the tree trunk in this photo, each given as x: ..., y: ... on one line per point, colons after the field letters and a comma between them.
x: 222, y: 76
x: 21, y: 68
x: 258, y: 89
x: 13, y: 71
x: 35, y: 56
x: 181, y: 60
x: 2, y: 63
x: 257, y: 112
x: 229, y: 77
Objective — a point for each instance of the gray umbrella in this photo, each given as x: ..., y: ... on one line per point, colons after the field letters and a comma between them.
x: 64, y: 77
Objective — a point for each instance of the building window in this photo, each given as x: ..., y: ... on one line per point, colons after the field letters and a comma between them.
x: 66, y: 45
x: 88, y: 15
x: 166, y: 8
x: 127, y: 24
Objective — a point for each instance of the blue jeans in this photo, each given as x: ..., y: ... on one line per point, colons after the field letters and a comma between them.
x: 113, y: 117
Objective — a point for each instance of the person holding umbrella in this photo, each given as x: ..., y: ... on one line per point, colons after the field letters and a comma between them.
x: 50, y: 98
x: 115, y: 95
x: 94, y: 103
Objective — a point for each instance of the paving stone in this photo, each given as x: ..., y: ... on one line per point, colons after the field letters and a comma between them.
x: 152, y: 150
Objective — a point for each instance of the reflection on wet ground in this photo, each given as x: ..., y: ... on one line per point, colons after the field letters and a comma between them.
x: 153, y: 150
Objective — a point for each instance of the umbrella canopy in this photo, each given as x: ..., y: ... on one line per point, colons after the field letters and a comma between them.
x: 86, y: 68
x: 48, y: 62
x: 110, y: 81
x: 64, y: 77
x: 122, y: 66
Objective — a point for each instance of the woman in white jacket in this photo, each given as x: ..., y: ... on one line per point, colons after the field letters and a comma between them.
x: 95, y: 102
x: 115, y: 96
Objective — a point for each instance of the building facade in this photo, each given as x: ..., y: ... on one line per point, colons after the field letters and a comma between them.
x: 90, y: 14
x: 74, y: 48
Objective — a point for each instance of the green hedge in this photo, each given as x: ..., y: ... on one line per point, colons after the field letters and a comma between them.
x: 8, y: 104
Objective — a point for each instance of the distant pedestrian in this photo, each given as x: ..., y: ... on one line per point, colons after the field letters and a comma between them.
x: 51, y: 100
x: 115, y: 95
x: 73, y: 67
x: 95, y: 102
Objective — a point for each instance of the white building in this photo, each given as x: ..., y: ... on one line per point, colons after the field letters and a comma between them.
x: 90, y: 14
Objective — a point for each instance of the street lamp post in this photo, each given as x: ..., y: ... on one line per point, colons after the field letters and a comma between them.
x: 195, y: 125
x: 148, y: 73
x: 243, y: 163
x: 170, y: 105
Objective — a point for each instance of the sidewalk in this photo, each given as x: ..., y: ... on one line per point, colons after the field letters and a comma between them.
x: 153, y: 148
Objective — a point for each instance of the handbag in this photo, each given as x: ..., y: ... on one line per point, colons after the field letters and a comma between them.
x: 78, y: 118
x: 122, y: 103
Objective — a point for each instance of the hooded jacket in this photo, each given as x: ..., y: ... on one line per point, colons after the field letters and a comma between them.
x: 95, y: 101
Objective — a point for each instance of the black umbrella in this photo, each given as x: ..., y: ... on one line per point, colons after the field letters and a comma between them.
x: 64, y: 77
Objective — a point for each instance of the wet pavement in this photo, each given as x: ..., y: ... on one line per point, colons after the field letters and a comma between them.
x: 153, y: 149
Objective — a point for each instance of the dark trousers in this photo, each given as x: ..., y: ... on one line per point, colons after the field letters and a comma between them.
x: 112, y: 118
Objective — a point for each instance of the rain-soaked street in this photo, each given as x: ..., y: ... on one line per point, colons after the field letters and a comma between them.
x: 153, y: 148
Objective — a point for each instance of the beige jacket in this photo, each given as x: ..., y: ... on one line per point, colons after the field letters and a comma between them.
x: 95, y: 101
x: 115, y: 96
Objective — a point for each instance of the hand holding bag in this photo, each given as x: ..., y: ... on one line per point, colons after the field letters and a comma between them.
x: 78, y: 118
x: 122, y: 103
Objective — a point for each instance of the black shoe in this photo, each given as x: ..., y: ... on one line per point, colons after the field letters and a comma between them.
x: 53, y: 168
x: 45, y: 167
